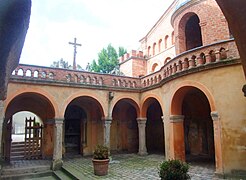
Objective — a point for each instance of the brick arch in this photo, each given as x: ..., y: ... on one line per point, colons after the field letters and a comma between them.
x: 146, y: 102
x: 36, y: 91
x: 182, y: 90
x: 183, y: 37
x: 33, y: 102
x: 79, y: 95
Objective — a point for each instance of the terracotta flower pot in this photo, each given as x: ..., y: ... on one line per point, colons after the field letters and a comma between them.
x: 100, y: 166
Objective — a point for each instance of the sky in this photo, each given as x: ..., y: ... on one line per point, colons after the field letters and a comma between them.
x: 95, y: 24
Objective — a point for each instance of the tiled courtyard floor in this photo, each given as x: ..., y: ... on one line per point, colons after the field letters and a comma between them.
x: 134, y: 167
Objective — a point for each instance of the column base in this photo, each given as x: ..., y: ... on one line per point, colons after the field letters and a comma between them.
x: 56, y: 164
x: 142, y: 153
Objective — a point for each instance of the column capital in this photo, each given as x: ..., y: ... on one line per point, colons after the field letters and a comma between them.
x: 215, y: 116
x: 55, y: 121
x: 107, y: 119
x: 165, y: 118
x: 142, y: 120
x: 176, y: 118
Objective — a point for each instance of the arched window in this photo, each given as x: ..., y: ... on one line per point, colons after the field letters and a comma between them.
x: 154, y: 46
x: 189, y: 33
x: 159, y: 45
x: 173, y: 38
x: 154, y: 67
x: 166, y: 41
x: 193, y: 33
x: 149, y: 51
x: 167, y: 59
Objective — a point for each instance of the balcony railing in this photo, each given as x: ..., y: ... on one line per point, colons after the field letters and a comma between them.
x: 48, y: 74
x: 200, y: 58
x: 192, y: 59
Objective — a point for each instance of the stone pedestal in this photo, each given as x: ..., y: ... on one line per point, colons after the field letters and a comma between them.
x: 177, y: 146
x: 57, y: 152
x: 107, y: 125
x: 217, y: 142
x: 1, y: 126
x: 142, y: 137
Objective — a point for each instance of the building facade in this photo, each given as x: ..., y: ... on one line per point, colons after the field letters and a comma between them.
x: 180, y: 96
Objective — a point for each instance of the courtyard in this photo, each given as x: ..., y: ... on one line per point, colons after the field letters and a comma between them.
x: 122, y: 166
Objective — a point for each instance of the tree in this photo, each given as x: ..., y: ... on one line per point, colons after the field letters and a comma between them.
x: 122, y: 51
x: 107, y: 60
x: 64, y: 64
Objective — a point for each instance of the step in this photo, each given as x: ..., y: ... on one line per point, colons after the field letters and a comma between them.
x: 25, y: 170
x: 75, y: 173
x: 17, y: 157
x: 17, y: 145
x: 62, y: 175
x: 17, y: 153
x: 26, y: 176
x: 17, y: 148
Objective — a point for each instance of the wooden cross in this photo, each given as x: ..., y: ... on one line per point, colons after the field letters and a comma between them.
x: 75, y: 44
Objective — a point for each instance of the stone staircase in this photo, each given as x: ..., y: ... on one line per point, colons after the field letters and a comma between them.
x: 17, y: 150
x: 69, y: 173
x: 25, y: 172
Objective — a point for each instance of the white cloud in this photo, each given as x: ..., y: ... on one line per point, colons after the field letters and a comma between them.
x: 95, y: 23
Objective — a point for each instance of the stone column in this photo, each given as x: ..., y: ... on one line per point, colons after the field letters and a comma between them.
x: 217, y: 142
x: 142, y: 137
x: 58, y: 136
x: 177, y: 145
x: 1, y: 125
x: 165, y: 120
x: 107, y: 125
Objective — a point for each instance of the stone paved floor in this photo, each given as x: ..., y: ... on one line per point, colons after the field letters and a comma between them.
x: 134, y: 167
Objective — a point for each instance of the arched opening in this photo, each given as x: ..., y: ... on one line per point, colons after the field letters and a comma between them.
x: 173, y: 38
x: 166, y: 41
x: 154, y: 127
x: 193, y: 104
x: 154, y: 67
x: 167, y: 60
x: 124, y: 127
x: 26, y: 134
x: 154, y: 48
x: 83, y: 127
x: 198, y: 127
x: 149, y: 48
x: 75, y: 125
x: 159, y: 45
x: 193, y: 33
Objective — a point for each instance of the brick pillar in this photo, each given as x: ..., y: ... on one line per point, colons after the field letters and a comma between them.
x: 217, y: 142
x: 58, y: 138
x: 107, y: 125
x: 177, y: 145
x: 142, y: 137
x: 1, y: 125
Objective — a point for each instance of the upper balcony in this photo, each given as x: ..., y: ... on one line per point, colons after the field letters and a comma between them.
x: 69, y: 77
x: 195, y: 60
x: 215, y: 55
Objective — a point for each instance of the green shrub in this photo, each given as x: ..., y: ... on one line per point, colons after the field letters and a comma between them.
x: 174, y: 170
x: 101, y: 152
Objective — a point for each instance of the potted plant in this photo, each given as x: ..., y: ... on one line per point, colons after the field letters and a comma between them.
x: 101, y: 160
x: 174, y: 170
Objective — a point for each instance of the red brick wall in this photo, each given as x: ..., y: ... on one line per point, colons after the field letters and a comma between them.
x: 212, y: 22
